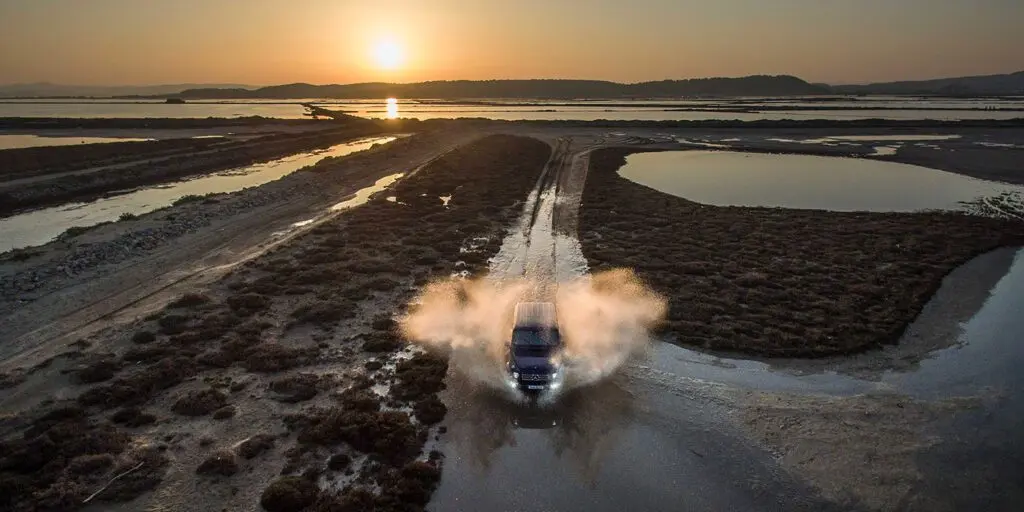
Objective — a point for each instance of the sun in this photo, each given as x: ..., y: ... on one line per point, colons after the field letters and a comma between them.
x: 388, y: 54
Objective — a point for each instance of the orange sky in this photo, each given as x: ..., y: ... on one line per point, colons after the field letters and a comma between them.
x: 332, y: 41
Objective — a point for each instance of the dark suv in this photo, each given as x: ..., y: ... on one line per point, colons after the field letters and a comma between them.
x: 532, y: 355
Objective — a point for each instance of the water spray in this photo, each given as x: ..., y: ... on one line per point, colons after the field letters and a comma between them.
x: 605, y: 320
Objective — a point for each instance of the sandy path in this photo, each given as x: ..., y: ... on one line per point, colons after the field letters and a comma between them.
x: 543, y: 246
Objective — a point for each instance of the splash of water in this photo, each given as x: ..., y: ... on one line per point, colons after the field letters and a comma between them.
x: 605, y: 319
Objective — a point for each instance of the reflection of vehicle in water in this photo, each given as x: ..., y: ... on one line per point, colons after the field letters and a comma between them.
x: 534, y: 348
x: 535, y: 418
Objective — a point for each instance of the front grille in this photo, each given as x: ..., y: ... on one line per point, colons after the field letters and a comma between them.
x: 534, y: 377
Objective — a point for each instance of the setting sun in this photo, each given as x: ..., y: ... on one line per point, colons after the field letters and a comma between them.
x: 388, y: 54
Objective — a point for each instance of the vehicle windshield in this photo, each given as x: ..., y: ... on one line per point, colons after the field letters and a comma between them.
x: 534, y: 342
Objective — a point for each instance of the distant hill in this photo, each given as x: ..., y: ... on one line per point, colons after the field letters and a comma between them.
x: 532, y: 89
x: 988, y: 85
x: 48, y: 90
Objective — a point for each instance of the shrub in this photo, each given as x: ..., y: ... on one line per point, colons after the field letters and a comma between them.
x: 288, y: 494
x: 272, y: 357
x: 98, y: 371
x: 199, y: 403
x: 189, y: 198
x: 296, y: 388
x: 248, y: 304
x: 322, y: 313
x: 420, y: 376
x: 132, y: 417
x: 378, y: 342
x: 225, y: 412
x: 173, y: 324
x: 430, y: 410
x: 255, y: 445
x: 189, y: 300
x: 143, y: 337
x: 339, y: 462
x: 220, y: 462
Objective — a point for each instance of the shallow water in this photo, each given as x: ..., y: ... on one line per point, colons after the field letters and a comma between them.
x: 660, y: 114
x: 34, y: 141
x: 618, y: 445
x: 840, y: 139
x: 363, y: 195
x: 987, y: 353
x: 726, y: 178
x: 101, y: 109
x: 41, y: 226
x: 620, y: 110
x: 893, y: 137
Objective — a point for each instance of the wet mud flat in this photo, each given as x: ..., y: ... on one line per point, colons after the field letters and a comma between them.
x: 777, y: 282
x: 986, y: 151
x: 38, y: 177
x: 283, y: 385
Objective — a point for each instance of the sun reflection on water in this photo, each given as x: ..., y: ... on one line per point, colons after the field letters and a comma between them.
x: 392, y: 105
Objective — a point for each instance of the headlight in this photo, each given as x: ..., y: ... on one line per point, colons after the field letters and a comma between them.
x: 515, y: 375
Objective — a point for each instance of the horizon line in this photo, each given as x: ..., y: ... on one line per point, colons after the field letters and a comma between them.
x: 278, y: 84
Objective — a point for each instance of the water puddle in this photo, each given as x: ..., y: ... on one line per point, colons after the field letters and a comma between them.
x: 872, y: 138
x: 725, y: 178
x: 41, y: 226
x: 35, y: 141
x: 610, y: 447
x: 363, y: 195
x: 987, y: 351
x: 703, y: 143
x: 847, y: 139
x: 1000, y: 145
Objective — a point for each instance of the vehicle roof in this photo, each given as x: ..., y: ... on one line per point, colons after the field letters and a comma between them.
x: 536, y: 314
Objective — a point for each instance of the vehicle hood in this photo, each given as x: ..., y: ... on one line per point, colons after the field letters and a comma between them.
x: 532, y: 364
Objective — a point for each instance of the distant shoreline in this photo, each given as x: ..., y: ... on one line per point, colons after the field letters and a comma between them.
x: 14, y: 124
x: 985, y: 86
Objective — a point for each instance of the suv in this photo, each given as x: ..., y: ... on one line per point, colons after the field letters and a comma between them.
x: 534, y: 346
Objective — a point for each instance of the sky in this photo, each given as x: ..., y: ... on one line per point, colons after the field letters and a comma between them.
x: 262, y: 42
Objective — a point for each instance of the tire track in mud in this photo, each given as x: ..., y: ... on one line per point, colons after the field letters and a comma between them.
x: 543, y: 247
